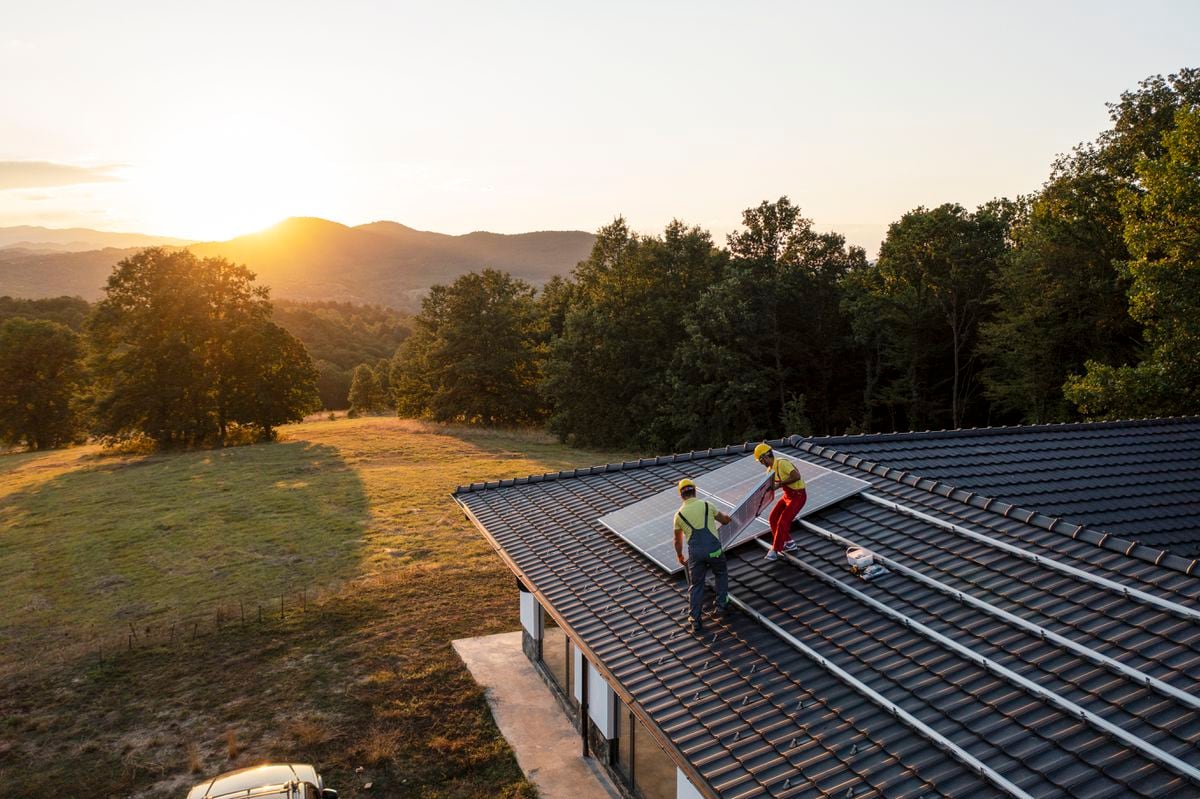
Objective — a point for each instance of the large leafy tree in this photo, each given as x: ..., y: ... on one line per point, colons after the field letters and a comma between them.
x: 473, y: 355
x: 625, y: 313
x: 41, y: 374
x: 272, y: 380
x: 930, y: 295
x: 183, y: 348
x: 1061, y: 298
x: 766, y: 349
x: 1162, y: 231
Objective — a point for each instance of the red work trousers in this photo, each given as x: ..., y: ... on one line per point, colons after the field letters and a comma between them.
x: 782, y: 516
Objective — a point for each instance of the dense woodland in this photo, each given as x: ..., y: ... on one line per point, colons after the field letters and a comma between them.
x: 1081, y: 300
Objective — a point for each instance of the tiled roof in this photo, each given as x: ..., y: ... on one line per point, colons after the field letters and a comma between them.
x: 1136, y: 479
x: 1004, y: 655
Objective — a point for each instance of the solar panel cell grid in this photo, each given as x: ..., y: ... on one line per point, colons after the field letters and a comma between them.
x: 647, y: 524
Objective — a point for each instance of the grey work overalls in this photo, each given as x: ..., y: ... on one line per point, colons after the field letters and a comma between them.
x: 704, y: 554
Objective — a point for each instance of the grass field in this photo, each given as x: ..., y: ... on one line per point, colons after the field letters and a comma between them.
x: 93, y: 544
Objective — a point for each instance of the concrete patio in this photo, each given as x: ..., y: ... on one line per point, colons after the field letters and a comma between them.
x: 528, y: 715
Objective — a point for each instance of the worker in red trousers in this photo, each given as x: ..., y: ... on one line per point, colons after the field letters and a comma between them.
x: 785, y: 475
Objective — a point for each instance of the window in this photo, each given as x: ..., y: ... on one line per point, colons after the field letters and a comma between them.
x: 571, y: 652
x: 555, y: 652
x: 623, y: 759
x: 653, y: 772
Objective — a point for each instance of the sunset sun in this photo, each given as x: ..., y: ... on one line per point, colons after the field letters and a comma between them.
x: 231, y: 177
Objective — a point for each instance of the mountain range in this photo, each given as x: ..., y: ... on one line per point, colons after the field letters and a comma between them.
x: 302, y: 258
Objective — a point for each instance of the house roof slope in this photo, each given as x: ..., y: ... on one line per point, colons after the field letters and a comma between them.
x: 1139, y: 479
x: 993, y: 644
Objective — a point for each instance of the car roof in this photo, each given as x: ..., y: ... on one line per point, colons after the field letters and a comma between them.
x: 256, y: 781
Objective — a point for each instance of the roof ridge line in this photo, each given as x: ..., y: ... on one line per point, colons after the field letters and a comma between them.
x: 641, y: 463
x: 965, y: 432
x: 1054, y: 524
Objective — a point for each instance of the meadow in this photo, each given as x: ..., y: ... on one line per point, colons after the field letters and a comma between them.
x: 134, y: 647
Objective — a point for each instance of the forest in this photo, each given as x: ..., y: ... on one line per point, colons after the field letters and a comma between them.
x: 1080, y: 300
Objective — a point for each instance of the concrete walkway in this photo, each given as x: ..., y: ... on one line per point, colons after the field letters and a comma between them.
x: 528, y: 715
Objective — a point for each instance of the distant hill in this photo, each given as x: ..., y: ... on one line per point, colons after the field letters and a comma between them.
x: 77, y: 239
x: 36, y: 275
x: 383, y: 263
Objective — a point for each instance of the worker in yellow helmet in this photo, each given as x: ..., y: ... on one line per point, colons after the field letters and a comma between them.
x: 695, y: 522
x: 785, y: 475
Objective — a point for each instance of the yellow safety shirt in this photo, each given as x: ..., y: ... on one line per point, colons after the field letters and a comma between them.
x: 783, y: 471
x: 693, y: 511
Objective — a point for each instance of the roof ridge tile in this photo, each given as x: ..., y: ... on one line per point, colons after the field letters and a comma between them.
x: 967, y: 432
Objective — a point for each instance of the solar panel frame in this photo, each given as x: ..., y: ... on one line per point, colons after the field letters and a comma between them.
x: 647, y: 525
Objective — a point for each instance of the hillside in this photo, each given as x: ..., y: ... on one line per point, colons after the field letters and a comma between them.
x: 77, y: 239
x: 382, y: 263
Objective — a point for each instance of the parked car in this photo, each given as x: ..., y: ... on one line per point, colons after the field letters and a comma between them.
x: 272, y: 781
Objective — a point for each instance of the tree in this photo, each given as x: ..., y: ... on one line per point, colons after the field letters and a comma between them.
x: 383, y: 375
x: 935, y: 272
x: 1059, y: 298
x: 183, y: 348
x: 333, y: 385
x: 1162, y: 231
x: 273, y: 380
x: 473, y: 355
x: 606, y: 374
x: 41, y: 372
x: 768, y: 346
x: 1062, y: 297
x: 69, y: 311
x: 366, y: 395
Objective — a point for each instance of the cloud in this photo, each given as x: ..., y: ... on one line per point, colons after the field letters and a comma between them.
x: 43, y: 174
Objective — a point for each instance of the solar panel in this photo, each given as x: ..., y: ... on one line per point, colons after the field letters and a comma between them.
x: 647, y: 524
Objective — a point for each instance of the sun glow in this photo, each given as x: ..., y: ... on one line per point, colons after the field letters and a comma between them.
x: 236, y: 175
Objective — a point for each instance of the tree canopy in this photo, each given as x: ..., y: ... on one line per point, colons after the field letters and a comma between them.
x: 41, y: 375
x: 473, y: 353
x: 183, y: 348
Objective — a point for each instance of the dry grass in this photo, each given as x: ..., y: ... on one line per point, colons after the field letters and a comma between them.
x: 366, y: 678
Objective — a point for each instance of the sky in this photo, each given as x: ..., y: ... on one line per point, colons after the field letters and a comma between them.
x: 208, y: 120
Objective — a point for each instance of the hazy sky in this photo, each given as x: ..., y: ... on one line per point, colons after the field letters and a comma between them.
x: 206, y: 120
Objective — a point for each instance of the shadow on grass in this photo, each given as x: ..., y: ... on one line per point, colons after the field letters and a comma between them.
x: 95, y: 551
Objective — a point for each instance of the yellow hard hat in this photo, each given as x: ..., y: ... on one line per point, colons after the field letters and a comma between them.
x: 760, y: 450
x: 686, y: 483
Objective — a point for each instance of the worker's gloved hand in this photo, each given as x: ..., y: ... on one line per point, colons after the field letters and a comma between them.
x: 682, y: 560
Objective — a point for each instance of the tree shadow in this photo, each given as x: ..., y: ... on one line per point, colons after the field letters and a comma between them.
x: 95, y: 551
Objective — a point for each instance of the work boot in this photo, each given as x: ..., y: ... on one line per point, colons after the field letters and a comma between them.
x: 771, y: 555
x: 790, y: 546
x: 697, y: 626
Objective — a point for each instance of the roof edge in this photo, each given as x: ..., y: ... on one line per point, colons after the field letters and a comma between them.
x: 966, y: 432
x: 1054, y: 524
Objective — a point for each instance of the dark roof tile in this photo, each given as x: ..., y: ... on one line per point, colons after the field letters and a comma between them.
x: 753, y: 714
